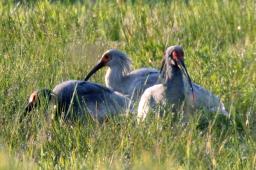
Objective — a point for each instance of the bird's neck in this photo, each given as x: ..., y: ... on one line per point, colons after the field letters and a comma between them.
x: 114, y: 77
x: 174, y: 80
x: 47, y: 94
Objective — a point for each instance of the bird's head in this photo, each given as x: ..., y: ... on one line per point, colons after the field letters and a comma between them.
x: 111, y: 58
x: 174, y: 57
x: 36, y: 98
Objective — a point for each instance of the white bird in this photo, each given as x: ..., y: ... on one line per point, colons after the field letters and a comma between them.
x: 119, y: 76
x: 175, y: 91
x: 77, y: 98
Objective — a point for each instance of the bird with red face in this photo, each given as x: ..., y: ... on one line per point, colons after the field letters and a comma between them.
x: 77, y: 98
x: 176, y: 90
x: 170, y: 93
x: 120, y: 76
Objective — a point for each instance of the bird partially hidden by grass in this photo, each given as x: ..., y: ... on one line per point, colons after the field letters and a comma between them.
x: 75, y: 98
x: 176, y: 92
x: 119, y: 77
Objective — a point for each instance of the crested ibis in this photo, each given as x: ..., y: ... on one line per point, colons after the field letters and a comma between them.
x: 80, y: 98
x: 119, y: 76
x: 171, y: 92
x: 174, y: 90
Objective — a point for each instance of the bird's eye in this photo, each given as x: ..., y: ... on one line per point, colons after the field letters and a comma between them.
x: 107, y: 58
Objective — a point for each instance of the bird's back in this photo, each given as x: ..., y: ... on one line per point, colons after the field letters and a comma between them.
x: 206, y: 100
x: 141, y: 79
x: 89, y: 97
x: 144, y: 71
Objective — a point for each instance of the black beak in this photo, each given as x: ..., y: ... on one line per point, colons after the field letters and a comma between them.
x: 99, y: 65
x: 162, y: 71
x: 29, y: 107
x: 182, y: 66
x: 162, y: 65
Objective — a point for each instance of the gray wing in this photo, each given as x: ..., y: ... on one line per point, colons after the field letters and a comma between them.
x: 142, y: 79
x: 144, y: 71
x: 207, y: 100
x: 101, y: 101
x: 85, y: 97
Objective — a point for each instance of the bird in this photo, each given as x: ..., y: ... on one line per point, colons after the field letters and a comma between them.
x: 77, y: 98
x: 170, y: 93
x: 174, y: 90
x: 120, y: 76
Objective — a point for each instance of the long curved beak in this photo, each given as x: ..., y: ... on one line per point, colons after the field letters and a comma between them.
x: 162, y: 65
x: 182, y: 66
x: 99, y: 65
x: 29, y: 107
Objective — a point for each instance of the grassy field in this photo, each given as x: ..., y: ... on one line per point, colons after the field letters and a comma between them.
x: 44, y: 43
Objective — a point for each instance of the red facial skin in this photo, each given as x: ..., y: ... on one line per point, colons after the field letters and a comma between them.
x: 177, y: 55
x: 33, y: 97
x: 105, y: 59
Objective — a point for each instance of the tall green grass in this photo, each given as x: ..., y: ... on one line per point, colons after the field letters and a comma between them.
x: 43, y: 43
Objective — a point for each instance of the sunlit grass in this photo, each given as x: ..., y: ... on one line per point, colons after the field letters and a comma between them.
x: 44, y: 43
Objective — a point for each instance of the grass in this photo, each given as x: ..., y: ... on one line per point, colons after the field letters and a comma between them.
x: 43, y: 43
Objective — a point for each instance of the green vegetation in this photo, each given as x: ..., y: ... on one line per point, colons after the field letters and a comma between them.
x: 43, y: 43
